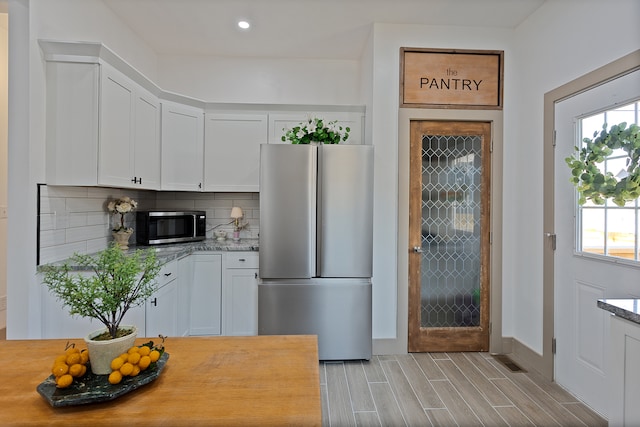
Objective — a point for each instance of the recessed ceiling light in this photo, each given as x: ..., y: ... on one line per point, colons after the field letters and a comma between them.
x: 244, y: 25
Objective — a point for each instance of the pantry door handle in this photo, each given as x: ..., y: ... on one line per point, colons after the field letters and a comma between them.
x: 417, y: 249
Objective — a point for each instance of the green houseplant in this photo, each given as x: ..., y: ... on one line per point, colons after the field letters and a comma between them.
x: 316, y: 130
x: 119, y: 281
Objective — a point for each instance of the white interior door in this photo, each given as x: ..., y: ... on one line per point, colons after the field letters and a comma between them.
x: 581, y: 328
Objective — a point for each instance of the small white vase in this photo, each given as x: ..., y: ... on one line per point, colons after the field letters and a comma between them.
x: 122, y: 238
x: 101, y: 353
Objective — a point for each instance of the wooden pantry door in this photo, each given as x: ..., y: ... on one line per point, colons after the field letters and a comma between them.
x: 449, y: 225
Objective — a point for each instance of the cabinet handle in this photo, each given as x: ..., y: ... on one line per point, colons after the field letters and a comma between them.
x: 255, y: 275
x: 242, y: 259
x: 134, y: 180
x: 200, y: 185
x: 154, y: 302
x: 140, y: 181
x: 167, y: 274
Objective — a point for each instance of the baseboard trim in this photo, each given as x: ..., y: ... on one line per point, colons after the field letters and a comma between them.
x: 525, y: 356
x: 388, y: 346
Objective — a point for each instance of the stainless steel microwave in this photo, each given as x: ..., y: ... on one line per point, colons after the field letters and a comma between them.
x: 159, y: 227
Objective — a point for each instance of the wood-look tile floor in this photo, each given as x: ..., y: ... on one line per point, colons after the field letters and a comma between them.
x: 444, y: 389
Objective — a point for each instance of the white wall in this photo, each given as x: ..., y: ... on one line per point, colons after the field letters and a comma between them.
x: 561, y: 41
x: 261, y: 81
x: 390, y: 240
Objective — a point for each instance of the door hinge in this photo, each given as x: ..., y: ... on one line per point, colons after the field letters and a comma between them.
x: 552, y: 236
x: 553, y: 346
x: 555, y: 133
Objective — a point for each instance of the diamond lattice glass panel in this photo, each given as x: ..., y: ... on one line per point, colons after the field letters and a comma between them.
x: 450, y: 267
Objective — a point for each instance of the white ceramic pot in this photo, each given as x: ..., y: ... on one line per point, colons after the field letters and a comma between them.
x: 101, y: 353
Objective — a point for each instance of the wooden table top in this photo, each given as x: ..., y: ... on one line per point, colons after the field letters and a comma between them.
x: 229, y: 381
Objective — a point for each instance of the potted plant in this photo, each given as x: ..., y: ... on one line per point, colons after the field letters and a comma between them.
x: 120, y: 207
x: 118, y: 282
x: 316, y: 130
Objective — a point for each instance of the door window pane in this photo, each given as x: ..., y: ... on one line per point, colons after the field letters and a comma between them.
x: 609, y: 230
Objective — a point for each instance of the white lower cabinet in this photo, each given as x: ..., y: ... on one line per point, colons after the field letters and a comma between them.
x: 206, y: 294
x: 624, y: 375
x: 161, y: 311
x: 240, y: 294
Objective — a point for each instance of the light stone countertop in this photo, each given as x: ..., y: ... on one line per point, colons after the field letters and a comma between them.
x: 170, y: 252
x: 625, y: 308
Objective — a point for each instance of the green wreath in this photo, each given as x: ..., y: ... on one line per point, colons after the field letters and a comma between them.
x: 596, y: 186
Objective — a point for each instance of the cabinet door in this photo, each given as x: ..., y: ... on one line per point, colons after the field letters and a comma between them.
x: 72, y: 123
x: 115, y: 156
x: 162, y: 311
x: 241, y: 302
x: 146, y: 173
x: 240, y: 294
x: 182, y: 138
x: 232, y: 151
x: 206, y: 295
x: 185, y: 279
x: 280, y: 122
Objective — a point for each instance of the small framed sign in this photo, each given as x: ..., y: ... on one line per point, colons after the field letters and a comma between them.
x: 439, y: 78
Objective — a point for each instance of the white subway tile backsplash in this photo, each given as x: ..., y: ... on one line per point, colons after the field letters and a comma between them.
x: 52, y: 238
x: 75, y: 219
x: 82, y: 234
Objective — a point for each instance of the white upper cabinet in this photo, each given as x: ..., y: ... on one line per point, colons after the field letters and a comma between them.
x: 182, y: 147
x: 109, y: 125
x: 115, y: 156
x: 146, y: 152
x: 102, y: 128
x: 72, y: 123
x: 232, y: 151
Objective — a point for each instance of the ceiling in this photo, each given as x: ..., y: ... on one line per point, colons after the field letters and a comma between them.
x: 328, y: 29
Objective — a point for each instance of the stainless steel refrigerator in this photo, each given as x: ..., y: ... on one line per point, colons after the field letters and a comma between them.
x: 316, y: 220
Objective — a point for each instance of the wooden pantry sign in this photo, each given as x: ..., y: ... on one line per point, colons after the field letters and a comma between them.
x: 439, y: 78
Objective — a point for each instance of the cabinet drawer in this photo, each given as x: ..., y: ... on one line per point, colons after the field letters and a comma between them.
x: 242, y: 260
x: 168, y: 272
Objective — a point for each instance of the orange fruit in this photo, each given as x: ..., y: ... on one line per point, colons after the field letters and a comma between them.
x: 117, y: 363
x: 133, y: 349
x: 115, y: 377
x: 126, y: 369
x: 60, y: 359
x: 72, y: 350
x: 144, y: 362
x: 144, y: 350
x: 154, y: 355
x: 124, y: 356
x: 84, y: 356
x: 75, y: 370
x: 60, y: 369
x: 64, y: 381
x: 134, y: 358
x: 136, y: 371
x: 73, y: 359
